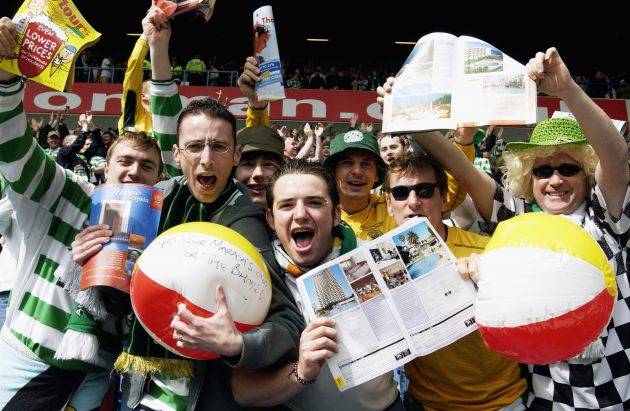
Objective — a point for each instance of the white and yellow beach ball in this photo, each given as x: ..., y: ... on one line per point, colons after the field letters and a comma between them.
x: 546, y: 289
x: 184, y: 265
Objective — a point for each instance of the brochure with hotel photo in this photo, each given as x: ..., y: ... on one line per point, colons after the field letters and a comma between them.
x: 449, y: 82
x: 393, y: 299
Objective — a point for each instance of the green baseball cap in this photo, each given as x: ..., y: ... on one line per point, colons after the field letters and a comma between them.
x: 551, y: 132
x: 355, y: 139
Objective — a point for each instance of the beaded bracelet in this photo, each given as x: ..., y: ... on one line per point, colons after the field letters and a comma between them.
x: 297, y: 377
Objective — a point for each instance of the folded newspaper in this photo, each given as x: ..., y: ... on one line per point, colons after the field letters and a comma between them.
x: 51, y: 35
x: 393, y: 299
x: 449, y: 82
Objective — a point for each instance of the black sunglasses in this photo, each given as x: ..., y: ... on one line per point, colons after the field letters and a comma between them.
x: 423, y: 190
x: 565, y: 170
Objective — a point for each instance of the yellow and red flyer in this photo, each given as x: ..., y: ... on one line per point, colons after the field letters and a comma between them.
x: 51, y: 34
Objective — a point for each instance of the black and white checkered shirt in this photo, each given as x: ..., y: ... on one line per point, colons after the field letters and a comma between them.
x: 605, y: 383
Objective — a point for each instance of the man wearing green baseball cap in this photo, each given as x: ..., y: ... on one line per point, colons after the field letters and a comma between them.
x: 358, y: 167
x: 356, y: 162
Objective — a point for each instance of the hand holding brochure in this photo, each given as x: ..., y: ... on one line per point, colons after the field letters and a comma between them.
x: 271, y: 86
x: 449, y: 82
x: 393, y: 299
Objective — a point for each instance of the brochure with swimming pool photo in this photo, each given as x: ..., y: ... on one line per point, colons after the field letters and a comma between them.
x: 393, y: 299
x: 449, y: 82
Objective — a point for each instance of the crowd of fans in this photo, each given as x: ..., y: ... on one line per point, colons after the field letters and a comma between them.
x: 302, y: 197
x: 217, y: 71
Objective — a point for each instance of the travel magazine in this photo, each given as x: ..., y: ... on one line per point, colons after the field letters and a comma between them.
x: 132, y: 212
x: 393, y: 299
x: 449, y: 82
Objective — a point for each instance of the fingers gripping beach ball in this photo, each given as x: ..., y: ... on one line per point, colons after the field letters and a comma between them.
x: 546, y: 290
x: 184, y: 265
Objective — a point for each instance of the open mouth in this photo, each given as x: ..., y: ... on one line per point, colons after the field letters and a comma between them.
x: 558, y: 194
x: 303, y: 238
x: 206, y: 181
x: 413, y: 215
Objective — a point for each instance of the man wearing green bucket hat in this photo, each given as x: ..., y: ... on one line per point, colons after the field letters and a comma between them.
x: 578, y: 169
x: 358, y: 167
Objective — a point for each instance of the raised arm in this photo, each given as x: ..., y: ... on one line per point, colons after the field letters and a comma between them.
x: 166, y: 103
x: 612, y: 174
x: 257, y: 111
x: 310, y: 138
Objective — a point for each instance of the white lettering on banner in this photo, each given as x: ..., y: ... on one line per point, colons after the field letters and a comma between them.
x: 289, y: 107
x: 42, y: 100
x: 374, y: 111
x: 237, y: 107
x: 99, y: 100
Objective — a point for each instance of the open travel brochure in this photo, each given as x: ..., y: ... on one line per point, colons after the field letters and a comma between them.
x: 449, y: 82
x: 395, y: 298
x: 51, y: 35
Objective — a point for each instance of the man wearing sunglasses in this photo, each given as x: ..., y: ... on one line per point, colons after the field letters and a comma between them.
x: 358, y: 166
x: 465, y: 374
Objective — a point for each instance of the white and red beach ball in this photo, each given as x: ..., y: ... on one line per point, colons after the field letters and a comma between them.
x: 546, y: 290
x: 184, y: 265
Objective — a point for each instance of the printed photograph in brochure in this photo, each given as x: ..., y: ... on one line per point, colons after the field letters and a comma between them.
x: 330, y: 292
x: 395, y: 275
x: 355, y: 267
x: 420, y: 250
x: 481, y: 58
x: 366, y: 288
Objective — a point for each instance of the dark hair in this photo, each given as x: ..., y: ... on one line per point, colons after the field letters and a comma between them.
x: 211, y: 108
x: 401, y: 138
x: 302, y: 166
x: 140, y: 141
x: 410, y: 164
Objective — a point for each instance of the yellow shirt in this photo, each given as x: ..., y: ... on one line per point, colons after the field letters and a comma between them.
x: 465, y: 375
x: 371, y: 222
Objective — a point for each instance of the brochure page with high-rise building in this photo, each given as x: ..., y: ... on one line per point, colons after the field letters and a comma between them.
x: 449, y: 82
x: 392, y: 299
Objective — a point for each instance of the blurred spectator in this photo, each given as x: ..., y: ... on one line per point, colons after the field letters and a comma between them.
x: 195, y: 68
x: 598, y: 85
x: 177, y: 70
x: 294, y: 81
x: 317, y: 80
x: 105, y: 75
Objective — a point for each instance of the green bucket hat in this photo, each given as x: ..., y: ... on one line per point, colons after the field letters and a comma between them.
x: 355, y: 139
x: 551, y: 132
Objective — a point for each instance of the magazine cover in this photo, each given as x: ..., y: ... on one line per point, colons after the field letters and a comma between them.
x: 132, y: 212
x: 271, y: 85
x: 51, y: 34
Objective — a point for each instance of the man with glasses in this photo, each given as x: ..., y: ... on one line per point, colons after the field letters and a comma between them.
x: 465, y: 374
x: 205, y: 147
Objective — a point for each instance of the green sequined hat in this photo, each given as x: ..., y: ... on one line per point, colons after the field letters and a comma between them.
x: 551, y: 132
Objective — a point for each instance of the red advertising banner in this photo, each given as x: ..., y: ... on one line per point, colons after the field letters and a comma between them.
x: 300, y: 105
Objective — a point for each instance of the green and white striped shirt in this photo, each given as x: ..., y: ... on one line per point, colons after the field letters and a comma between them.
x: 51, y: 206
x: 166, y: 104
